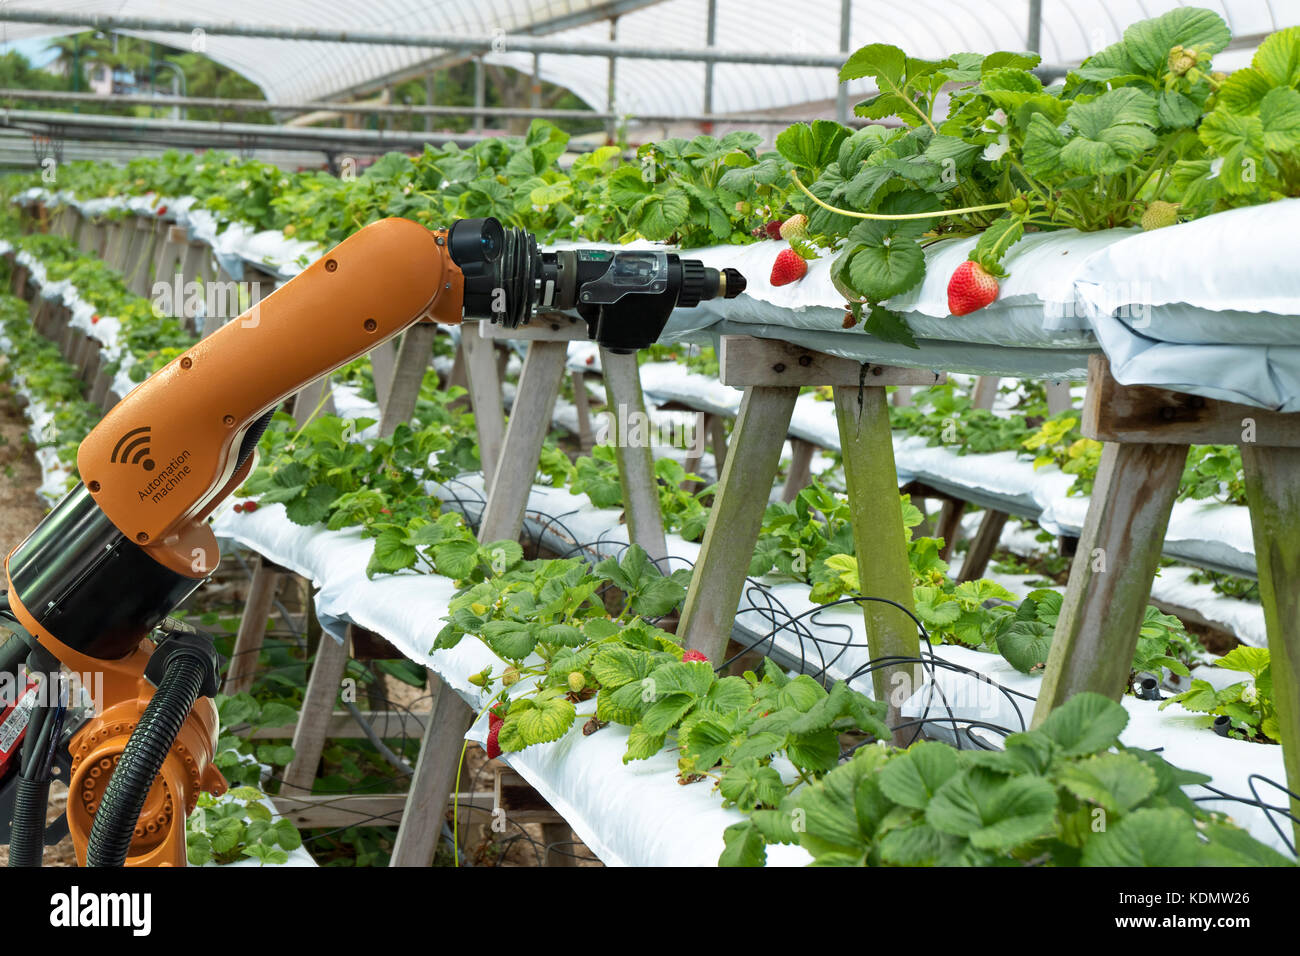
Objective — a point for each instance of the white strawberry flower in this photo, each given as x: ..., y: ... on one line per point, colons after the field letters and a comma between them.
x: 996, y: 123
x: 1250, y: 694
x: 578, y: 221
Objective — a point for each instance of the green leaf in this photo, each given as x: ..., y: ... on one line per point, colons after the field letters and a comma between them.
x: 642, y: 745
x: 659, y: 215
x: 1278, y: 58
x: 745, y: 846
x: 535, y: 720
x: 995, y: 241
x: 1110, y: 131
x: 1118, y: 782
x: 912, y: 777
x: 993, y: 811
x: 392, y: 553
x: 512, y: 640
x: 1085, y: 724
x: 1252, y: 660
x: 811, y: 146
x: 748, y: 785
x: 1042, y: 150
x: 456, y: 559
x: 1025, y: 644
x: 889, y: 326
x: 313, y: 506
x: 1148, y: 42
x: 1150, y: 837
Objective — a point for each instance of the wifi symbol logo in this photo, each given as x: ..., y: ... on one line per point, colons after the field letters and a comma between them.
x: 133, y: 448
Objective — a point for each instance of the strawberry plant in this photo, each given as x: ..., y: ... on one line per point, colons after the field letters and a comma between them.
x: 1247, y: 704
x: 1065, y: 794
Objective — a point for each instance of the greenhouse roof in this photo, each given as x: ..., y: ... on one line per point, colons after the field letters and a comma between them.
x: 289, y: 70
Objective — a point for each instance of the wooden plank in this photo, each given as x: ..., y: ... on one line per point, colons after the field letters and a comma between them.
x: 800, y: 473
x: 1273, y: 492
x: 313, y: 719
x: 582, y: 402
x: 412, y: 361
x: 383, y: 363
x: 1139, y: 414
x: 986, y: 390
x: 549, y: 327
x: 1058, y: 397
x: 252, y: 627
x: 530, y: 420
x: 636, y: 467
x: 137, y: 276
x: 388, y: 724
x: 1110, y: 578
x: 717, y: 429
x: 746, y: 360
x: 735, y: 519
x: 434, y: 777
x: 484, y: 385
x: 948, y: 526
x: 983, y: 545
x: 871, y: 483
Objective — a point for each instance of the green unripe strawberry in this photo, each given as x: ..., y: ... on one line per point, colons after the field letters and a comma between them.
x: 1160, y: 214
x: 510, y: 676
x: 576, y: 681
x: 796, y: 227
x: 481, y: 678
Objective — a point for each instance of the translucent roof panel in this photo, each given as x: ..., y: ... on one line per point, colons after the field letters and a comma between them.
x: 294, y: 70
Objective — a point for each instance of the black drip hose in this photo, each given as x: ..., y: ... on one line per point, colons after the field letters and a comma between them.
x: 142, y: 759
x: 27, y: 835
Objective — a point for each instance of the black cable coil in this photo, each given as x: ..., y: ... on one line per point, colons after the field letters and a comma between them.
x: 27, y: 838
x: 151, y: 741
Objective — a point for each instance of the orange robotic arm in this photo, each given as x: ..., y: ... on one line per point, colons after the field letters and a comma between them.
x: 101, y: 572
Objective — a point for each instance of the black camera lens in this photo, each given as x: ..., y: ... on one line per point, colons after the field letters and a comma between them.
x: 476, y: 240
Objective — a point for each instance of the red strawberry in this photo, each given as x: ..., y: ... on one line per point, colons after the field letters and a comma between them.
x: 493, y: 748
x: 788, y: 267
x: 970, y: 288
x: 239, y: 509
x: 694, y: 656
x: 250, y: 507
x: 591, y: 360
x: 773, y: 229
x: 162, y: 210
x: 94, y: 318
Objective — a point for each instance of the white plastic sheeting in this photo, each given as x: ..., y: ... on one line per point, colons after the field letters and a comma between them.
x: 295, y: 70
x: 638, y: 814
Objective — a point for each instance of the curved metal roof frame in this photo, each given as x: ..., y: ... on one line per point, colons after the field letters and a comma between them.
x: 300, y: 70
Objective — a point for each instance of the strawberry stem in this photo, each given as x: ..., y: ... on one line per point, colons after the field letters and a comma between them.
x: 895, y: 216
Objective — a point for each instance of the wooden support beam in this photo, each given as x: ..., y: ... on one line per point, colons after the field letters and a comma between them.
x: 1273, y: 492
x: 948, y: 526
x: 388, y: 724
x: 746, y: 360
x: 1139, y: 414
x: 252, y: 627
x: 582, y: 402
x: 800, y: 473
x: 412, y: 360
x: 736, y: 518
x: 880, y: 541
x: 1058, y: 397
x: 530, y: 420
x: 383, y: 364
x: 547, y: 327
x: 986, y: 390
x: 313, y: 719
x: 1110, y: 579
x: 435, y: 775
x: 636, y: 467
x: 484, y: 385
x: 983, y: 545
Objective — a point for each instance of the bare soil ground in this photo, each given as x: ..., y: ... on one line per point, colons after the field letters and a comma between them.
x: 20, y: 511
